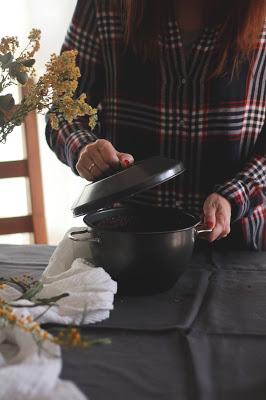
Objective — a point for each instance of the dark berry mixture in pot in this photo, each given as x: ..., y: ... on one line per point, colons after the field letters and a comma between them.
x: 151, y: 222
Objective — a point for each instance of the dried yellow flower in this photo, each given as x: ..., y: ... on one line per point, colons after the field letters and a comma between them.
x: 9, y: 44
x: 55, y: 91
x: 34, y: 39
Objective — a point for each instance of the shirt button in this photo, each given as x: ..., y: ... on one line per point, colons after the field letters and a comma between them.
x: 184, y: 81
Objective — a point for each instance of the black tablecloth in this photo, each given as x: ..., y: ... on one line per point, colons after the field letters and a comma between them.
x: 203, y: 340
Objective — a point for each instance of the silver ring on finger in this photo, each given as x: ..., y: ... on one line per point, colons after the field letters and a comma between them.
x: 91, y: 167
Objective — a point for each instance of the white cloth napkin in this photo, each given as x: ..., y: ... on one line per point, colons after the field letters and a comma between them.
x: 65, y: 253
x: 29, y: 372
x: 91, y: 290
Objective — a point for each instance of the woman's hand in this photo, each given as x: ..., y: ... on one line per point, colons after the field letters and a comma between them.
x: 97, y: 158
x: 217, y: 216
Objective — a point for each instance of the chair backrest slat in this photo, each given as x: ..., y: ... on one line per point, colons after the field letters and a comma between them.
x: 13, y: 169
x: 16, y: 225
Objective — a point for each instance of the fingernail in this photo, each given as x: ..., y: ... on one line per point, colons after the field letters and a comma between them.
x: 126, y: 162
x: 209, y: 224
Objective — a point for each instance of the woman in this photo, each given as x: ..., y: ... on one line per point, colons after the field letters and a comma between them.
x: 184, y: 79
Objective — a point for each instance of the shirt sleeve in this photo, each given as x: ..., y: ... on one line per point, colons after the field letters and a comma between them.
x: 82, y: 36
x: 247, y: 190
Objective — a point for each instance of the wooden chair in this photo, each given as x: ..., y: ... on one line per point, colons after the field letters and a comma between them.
x: 30, y: 168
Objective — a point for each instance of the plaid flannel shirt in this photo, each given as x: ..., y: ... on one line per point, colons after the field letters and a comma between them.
x: 170, y: 107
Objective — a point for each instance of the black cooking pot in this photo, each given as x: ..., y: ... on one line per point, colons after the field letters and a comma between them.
x: 144, y: 249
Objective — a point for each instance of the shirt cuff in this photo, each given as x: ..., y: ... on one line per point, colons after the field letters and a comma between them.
x: 237, y: 194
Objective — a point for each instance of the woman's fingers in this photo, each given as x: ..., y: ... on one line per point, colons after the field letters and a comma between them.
x: 217, y: 216
x: 108, y: 153
x: 98, y: 157
x: 125, y: 159
x: 111, y: 157
x: 209, y: 213
x: 89, y: 170
x: 221, y: 229
x: 99, y: 161
x: 86, y: 165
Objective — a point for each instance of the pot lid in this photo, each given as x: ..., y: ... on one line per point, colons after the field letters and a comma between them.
x: 139, y: 177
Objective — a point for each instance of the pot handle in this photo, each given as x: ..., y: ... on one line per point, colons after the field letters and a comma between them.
x: 75, y: 236
x: 199, y: 230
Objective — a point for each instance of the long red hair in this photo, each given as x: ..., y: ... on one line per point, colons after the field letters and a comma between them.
x: 240, y: 21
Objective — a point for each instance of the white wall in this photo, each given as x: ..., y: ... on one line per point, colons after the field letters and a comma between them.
x: 61, y: 186
x: 53, y: 18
